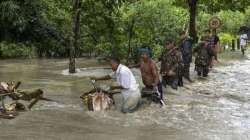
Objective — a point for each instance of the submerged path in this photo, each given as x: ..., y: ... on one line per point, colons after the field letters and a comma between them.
x: 216, y: 108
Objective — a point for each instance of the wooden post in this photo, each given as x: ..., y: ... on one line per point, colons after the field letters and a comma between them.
x: 233, y: 45
x: 238, y: 44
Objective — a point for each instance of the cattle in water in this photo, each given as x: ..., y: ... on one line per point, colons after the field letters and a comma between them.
x: 98, y: 100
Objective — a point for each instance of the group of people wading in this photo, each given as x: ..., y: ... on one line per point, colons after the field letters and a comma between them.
x: 174, y: 66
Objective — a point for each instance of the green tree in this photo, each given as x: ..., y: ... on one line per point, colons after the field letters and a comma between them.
x: 247, y: 17
x: 22, y: 21
x: 73, y: 41
x: 99, y: 21
x: 153, y: 21
x: 210, y: 6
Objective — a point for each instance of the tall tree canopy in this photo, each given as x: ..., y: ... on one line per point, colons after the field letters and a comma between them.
x: 210, y: 6
x: 109, y: 27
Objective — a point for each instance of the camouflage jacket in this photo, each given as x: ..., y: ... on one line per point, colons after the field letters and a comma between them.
x: 171, y: 60
x: 203, y: 53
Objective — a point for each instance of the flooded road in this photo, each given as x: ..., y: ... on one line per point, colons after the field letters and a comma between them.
x: 216, y: 108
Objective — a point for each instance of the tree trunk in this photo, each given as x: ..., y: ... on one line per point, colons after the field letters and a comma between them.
x: 130, y: 35
x: 73, y: 42
x: 114, y: 49
x: 192, y: 21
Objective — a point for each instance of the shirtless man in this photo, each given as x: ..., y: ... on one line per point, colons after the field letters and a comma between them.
x: 149, y: 73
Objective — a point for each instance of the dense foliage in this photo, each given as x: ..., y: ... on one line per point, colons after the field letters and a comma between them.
x: 44, y: 27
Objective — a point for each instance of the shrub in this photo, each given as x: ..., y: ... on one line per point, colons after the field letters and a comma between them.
x: 17, y: 50
x: 226, y: 39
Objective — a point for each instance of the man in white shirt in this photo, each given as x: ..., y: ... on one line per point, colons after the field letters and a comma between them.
x: 126, y: 82
x: 243, y: 42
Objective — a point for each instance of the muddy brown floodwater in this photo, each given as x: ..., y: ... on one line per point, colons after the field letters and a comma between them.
x: 216, y: 108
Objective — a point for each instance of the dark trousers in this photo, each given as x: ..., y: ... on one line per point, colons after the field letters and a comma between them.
x: 171, y: 81
x: 202, y: 70
x: 159, y: 86
x: 186, y: 71
x: 210, y: 60
x: 180, y: 80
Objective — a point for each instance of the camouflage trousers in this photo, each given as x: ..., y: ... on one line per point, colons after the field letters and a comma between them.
x: 202, y: 70
x: 186, y: 71
x: 172, y: 81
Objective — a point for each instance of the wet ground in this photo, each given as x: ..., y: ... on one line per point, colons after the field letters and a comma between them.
x: 215, y: 108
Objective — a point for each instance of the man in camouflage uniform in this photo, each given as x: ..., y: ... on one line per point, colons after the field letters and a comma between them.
x: 171, y: 65
x: 213, y: 44
x: 203, y: 55
x: 186, y: 50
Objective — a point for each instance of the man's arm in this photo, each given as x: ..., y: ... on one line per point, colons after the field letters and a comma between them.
x: 116, y: 87
x: 106, y: 77
x: 134, y: 66
x: 176, y: 64
x: 155, y: 74
x: 159, y: 59
x: 168, y: 70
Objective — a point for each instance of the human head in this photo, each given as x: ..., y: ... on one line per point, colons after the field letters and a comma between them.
x: 169, y: 44
x: 145, y: 54
x: 207, y: 32
x: 182, y: 35
x: 114, y: 62
x: 146, y: 46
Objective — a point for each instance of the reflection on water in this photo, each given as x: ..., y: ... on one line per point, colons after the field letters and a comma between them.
x: 216, y: 108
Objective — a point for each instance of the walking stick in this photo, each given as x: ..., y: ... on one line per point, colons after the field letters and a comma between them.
x: 159, y: 96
